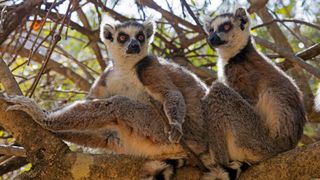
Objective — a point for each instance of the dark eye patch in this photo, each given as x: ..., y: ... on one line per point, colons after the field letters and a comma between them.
x: 140, y: 36
x: 122, y: 37
x: 225, y: 27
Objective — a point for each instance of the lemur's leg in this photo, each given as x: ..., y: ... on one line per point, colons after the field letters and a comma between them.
x: 234, y: 129
x: 107, y: 139
x: 97, y: 114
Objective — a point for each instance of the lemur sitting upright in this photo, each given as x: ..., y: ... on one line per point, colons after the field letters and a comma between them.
x: 140, y: 77
x: 218, y: 120
x: 273, y: 94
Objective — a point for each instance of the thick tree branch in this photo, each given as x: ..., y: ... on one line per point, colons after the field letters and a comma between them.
x: 7, y: 79
x: 299, y: 163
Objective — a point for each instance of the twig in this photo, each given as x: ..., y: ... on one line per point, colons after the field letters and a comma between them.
x: 56, y: 39
x: 288, y: 20
x: 202, y: 31
x: 285, y: 52
x: 41, y: 28
x: 12, y: 150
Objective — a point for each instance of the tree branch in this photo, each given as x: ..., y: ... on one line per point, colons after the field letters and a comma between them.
x: 13, y: 18
x: 12, y: 150
x: 82, y: 83
x: 7, y: 79
x: 299, y: 163
x: 286, y: 53
x: 297, y: 21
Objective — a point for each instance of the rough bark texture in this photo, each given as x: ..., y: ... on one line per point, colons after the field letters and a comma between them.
x: 7, y: 79
x: 300, y: 163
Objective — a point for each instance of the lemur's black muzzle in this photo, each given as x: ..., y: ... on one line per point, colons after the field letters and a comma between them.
x: 215, y: 40
x: 134, y: 47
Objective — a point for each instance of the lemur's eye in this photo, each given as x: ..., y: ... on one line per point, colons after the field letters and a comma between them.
x: 140, y: 37
x: 227, y: 27
x: 122, y: 37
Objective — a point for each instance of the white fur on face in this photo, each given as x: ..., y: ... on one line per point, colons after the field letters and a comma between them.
x: 236, y: 38
x: 117, y: 51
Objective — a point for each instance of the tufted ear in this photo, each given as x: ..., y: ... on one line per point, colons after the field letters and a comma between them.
x: 149, y: 26
x: 107, y: 29
x: 242, y: 15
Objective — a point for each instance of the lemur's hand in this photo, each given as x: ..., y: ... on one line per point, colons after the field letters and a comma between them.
x: 175, y: 133
x: 22, y: 103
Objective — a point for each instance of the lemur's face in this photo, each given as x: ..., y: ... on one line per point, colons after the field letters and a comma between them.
x: 127, y: 41
x: 228, y: 29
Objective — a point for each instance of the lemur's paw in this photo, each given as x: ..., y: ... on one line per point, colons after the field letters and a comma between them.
x: 235, y: 165
x: 175, y: 132
x: 156, y: 170
x: 215, y: 174
x: 112, y: 139
x: 22, y: 103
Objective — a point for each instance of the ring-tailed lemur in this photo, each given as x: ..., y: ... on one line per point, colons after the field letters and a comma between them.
x: 218, y: 121
x: 140, y: 77
x: 272, y: 93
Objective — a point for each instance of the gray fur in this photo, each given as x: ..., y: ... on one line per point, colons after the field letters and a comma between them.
x: 271, y: 93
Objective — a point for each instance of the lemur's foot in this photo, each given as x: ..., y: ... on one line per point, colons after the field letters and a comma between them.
x: 153, y: 169
x: 175, y: 133
x: 112, y: 139
x: 215, y: 174
x: 22, y: 103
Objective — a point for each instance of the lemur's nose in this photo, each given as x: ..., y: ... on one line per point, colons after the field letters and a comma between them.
x: 134, y: 47
x: 215, y: 40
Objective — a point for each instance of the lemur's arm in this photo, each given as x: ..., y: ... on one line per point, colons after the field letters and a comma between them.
x: 98, y: 89
x: 97, y: 114
x: 160, y: 87
x: 106, y: 139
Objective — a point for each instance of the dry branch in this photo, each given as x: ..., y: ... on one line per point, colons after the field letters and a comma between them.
x: 82, y: 83
x: 13, y: 18
x: 297, y: 21
x: 12, y: 150
x: 286, y: 53
x: 7, y: 79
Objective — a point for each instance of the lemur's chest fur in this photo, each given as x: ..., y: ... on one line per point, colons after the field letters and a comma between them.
x: 242, y: 74
x: 125, y: 82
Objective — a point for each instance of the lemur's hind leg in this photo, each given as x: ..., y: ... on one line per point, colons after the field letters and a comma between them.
x: 235, y: 131
x: 97, y: 114
x: 106, y: 139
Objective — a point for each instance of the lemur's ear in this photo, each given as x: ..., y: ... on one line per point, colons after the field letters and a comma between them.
x: 242, y: 15
x: 149, y: 26
x: 107, y: 29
